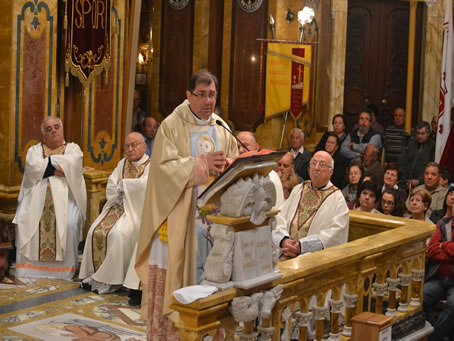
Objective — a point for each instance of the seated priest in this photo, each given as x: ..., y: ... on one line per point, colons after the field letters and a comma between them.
x: 52, y: 206
x: 315, y: 216
x: 113, y: 235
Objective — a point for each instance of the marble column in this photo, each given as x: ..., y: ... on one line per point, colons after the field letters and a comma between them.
x: 431, y: 68
x: 337, y: 64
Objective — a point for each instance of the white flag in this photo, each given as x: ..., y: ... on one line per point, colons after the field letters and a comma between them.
x: 446, y: 87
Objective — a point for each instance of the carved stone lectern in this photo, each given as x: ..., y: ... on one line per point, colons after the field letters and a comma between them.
x: 243, y: 255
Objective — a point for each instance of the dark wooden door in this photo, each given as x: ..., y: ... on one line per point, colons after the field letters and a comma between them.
x: 376, y: 58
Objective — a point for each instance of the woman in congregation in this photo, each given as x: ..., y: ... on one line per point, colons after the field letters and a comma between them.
x: 391, y: 179
x: 391, y: 203
x: 338, y: 129
x: 420, y: 200
x: 367, y: 198
x: 446, y: 211
x: 354, y: 173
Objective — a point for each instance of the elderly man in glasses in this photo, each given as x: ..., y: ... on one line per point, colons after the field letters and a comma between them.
x: 315, y: 216
x: 189, y: 149
x: 113, y: 235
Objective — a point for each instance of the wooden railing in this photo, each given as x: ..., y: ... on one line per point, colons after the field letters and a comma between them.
x: 382, y: 266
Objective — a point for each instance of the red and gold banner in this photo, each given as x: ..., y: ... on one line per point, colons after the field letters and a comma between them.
x: 87, y: 52
x: 288, y: 81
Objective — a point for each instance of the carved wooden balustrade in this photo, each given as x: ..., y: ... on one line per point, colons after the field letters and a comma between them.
x: 381, y: 269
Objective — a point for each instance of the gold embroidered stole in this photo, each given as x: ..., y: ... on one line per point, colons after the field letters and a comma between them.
x: 309, y: 203
x: 101, y: 231
x: 48, y: 221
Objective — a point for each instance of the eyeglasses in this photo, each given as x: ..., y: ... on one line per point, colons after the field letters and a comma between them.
x: 203, y: 95
x: 133, y: 145
x: 321, y: 164
x: 387, y: 202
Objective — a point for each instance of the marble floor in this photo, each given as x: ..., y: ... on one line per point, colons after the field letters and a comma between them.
x: 45, y: 309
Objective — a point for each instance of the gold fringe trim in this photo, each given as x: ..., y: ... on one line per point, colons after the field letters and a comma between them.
x: 163, y: 232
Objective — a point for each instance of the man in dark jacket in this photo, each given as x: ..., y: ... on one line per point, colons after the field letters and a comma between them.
x: 419, y: 151
x: 301, y: 156
x: 356, y: 142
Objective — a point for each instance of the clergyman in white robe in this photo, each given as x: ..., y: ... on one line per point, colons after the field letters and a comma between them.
x: 108, y: 273
x: 44, y: 251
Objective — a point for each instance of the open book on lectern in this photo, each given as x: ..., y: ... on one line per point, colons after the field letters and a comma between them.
x: 251, y: 163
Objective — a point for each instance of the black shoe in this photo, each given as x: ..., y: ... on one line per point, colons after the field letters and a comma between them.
x: 135, y: 297
x: 85, y: 286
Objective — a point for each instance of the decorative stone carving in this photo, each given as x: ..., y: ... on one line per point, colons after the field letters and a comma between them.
x: 218, y: 266
x: 268, y: 301
x: 246, y: 308
x: 380, y: 289
x: 249, y: 197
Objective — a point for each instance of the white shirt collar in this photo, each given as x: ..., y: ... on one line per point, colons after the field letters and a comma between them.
x: 395, y: 187
x: 301, y: 150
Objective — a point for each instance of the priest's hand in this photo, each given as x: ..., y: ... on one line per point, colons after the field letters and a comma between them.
x: 216, y: 161
x: 59, y: 172
x: 291, y: 248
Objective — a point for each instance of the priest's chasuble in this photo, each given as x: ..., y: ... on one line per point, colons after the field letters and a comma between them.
x: 50, y: 213
x: 174, y: 173
x: 113, y: 235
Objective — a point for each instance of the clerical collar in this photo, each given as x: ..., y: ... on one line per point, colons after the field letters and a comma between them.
x: 198, y: 120
x: 319, y: 188
x: 140, y: 161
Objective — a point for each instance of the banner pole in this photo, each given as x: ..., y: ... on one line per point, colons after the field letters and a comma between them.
x: 284, y: 129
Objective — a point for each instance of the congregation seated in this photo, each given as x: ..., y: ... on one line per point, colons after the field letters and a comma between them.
x: 338, y: 130
x: 52, y: 206
x: 149, y: 128
x: 432, y: 185
x: 391, y: 203
x: 354, y: 174
x: 356, y: 142
x: 371, y: 165
x: 332, y: 148
x: 395, y: 136
x: 439, y: 279
x: 391, y: 180
x: 419, y: 203
x: 301, y: 155
x: 447, y: 205
x: 315, y: 216
x: 419, y: 151
x: 367, y: 197
x: 114, y: 234
x: 285, y: 166
x: 375, y: 125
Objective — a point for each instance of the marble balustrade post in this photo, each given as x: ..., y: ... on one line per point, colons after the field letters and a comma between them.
x: 416, y: 280
x: 319, y: 314
x: 336, y: 307
x: 380, y: 290
x: 392, y: 289
x: 303, y: 320
x: 405, y: 283
x: 350, y: 304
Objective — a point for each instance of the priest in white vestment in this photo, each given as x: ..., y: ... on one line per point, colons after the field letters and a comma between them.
x: 174, y: 234
x: 315, y: 216
x: 52, y: 207
x: 113, y: 235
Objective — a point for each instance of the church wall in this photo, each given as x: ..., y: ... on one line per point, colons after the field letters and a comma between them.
x: 32, y: 78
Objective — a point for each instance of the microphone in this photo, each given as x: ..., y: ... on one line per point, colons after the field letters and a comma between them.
x: 219, y: 123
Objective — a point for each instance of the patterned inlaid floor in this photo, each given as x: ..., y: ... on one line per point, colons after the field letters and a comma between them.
x: 44, y: 309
